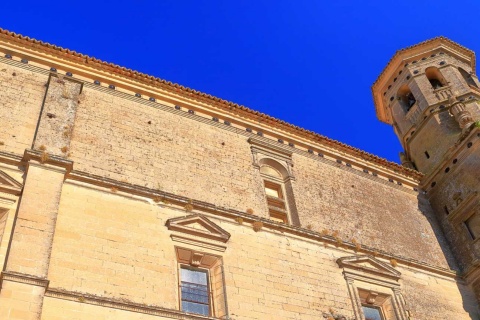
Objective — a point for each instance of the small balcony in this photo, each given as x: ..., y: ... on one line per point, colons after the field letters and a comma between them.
x: 443, y: 93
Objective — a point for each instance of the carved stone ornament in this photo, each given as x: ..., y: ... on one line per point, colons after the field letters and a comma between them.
x: 263, y: 151
x: 368, y: 265
x: 198, y: 225
x: 461, y: 114
x: 9, y: 185
x: 197, y: 230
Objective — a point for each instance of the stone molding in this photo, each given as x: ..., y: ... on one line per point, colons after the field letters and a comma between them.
x: 428, y: 114
x: 268, y: 148
x: 329, y: 150
x: 377, y: 267
x: 24, y: 278
x: 93, y: 69
x: 53, y: 162
x: 121, y: 304
x: 208, y: 208
x: 465, y: 208
x: 410, y: 53
x: 209, y: 230
x: 367, y: 269
x: 9, y: 185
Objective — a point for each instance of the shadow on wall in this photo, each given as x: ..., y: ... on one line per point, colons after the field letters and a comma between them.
x: 469, y: 301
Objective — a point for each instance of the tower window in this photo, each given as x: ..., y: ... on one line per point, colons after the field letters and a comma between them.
x: 427, y: 155
x: 406, y: 98
x: 435, y: 78
x: 436, y: 84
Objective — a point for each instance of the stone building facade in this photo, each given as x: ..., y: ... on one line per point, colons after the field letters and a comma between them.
x: 123, y: 196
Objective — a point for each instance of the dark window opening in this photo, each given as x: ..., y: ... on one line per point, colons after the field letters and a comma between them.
x: 411, y: 100
x: 406, y: 98
x: 427, y: 155
x: 435, y: 77
x: 436, y: 84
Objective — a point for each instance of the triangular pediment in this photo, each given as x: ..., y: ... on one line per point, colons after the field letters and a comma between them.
x: 9, y: 184
x: 199, y: 226
x: 369, y: 265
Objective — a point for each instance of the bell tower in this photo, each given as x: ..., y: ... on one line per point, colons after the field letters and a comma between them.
x: 430, y: 94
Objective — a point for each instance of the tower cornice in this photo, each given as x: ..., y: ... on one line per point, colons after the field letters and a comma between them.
x: 409, y: 54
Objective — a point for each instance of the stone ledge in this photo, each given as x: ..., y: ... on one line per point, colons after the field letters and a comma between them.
x: 23, y: 278
x: 52, y: 160
x: 205, y: 207
x: 121, y: 304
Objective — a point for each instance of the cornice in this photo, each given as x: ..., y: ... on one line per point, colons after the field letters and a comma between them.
x: 411, y: 53
x: 52, y: 161
x: 122, y: 304
x: 122, y: 76
x: 210, y: 210
x: 24, y: 278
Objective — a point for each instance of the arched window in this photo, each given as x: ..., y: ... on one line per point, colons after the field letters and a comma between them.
x: 274, y: 164
x: 406, y: 98
x: 468, y: 78
x: 435, y: 77
x: 274, y: 175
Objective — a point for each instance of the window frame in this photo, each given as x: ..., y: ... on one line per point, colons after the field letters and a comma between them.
x: 372, y: 282
x: 209, y: 289
x: 280, y: 184
x: 379, y: 308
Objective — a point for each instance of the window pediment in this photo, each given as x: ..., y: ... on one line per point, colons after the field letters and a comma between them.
x: 199, y: 231
x: 9, y: 184
x: 368, y: 265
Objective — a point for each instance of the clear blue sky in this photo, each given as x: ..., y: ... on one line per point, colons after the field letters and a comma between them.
x: 310, y: 63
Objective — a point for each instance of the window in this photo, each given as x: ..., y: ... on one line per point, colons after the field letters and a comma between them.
x: 406, y: 98
x: 473, y: 226
x: 194, y: 292
x: 376, y: 306
x: 277, y: 207
x: 435, y: 77
x: 374, y: 288
x: 275, y: 194
x: 274, y: 162
x: 201, y: 280
x: 372, y: 313
x: 201, y: 283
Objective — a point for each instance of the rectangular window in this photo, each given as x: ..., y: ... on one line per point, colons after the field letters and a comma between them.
x: 372, y: 313
x: 473, y: 226
x: 195, y: 296
x: 277, y: 207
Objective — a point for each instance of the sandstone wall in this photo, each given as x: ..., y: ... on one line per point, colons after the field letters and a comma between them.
x: 151, y: 144
x: 111, y: 246
x: 21, y: 95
